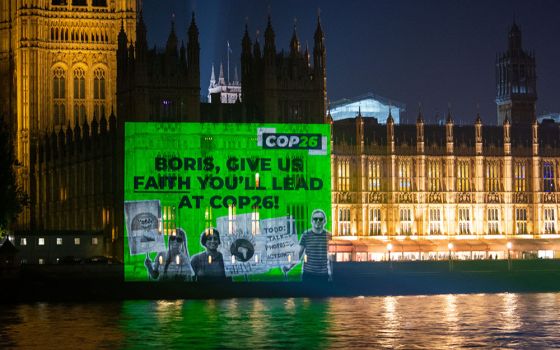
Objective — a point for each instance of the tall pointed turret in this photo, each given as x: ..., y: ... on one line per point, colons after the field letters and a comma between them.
x: 193, y: 69
x: 516, y: 81
x: 212, y: 77
x: 221, y: 80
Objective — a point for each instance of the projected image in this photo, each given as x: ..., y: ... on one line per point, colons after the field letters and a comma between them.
x: 226, y: 202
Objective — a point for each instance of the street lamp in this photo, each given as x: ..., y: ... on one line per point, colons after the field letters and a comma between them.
x: 509, y: 245
x: 450, y: 248
x: 389, y: 248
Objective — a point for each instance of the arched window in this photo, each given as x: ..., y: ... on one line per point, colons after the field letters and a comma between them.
x: 59, y: 96
x: 79, y: 95
x: 99, y: 92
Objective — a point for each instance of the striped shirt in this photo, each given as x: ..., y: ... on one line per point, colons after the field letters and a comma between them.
x: 316, y: 245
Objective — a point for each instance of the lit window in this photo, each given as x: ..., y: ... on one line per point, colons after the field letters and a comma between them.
x: 374, y: 176
x: 405, y: 217
x: 521, y: 221
x: 493, y: 176
x: 405, y: 175
x: 434, y: 176
x: 79, y: 95
x: 435, y: 221
x: 23, y: 241
x: 344, y: 175
x: 463, y: 176
x: 374, y: 221
x: 59, y: 97
x: 464, y: 221
x: 255, y: 227
x: 548, y: 177
x: 77, y: 241
x: 344, y: 221
x: 94, y: 241
x: 41, y: 261
x: 59, y: 241
x: 169, y: 220
x: 549, y: 220
x: 493, y: 220
x: 41, y: 241
x: 520, y: 176
x: 99, y: 92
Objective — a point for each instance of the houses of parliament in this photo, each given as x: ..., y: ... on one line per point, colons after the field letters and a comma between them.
x: 72, y: 71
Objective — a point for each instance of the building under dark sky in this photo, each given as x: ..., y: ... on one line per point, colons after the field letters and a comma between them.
x: 436, y: 52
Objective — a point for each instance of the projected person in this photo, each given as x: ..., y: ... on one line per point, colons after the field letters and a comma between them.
x: 173, y: 264
x: 314, y: 249
x: 209, y: 265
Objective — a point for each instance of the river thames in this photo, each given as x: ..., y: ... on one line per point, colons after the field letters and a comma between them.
x: 504, y: 321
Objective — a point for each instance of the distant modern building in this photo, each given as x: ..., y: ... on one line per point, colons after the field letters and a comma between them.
x: 369, y: 105
x: 224, y: 92
x: 549, y: 117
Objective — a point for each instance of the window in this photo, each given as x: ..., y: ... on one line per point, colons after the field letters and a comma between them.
x: 549, y: 220
x: 99, y: 92
x: 79, y: 3
x: 463, y: 176
x: 405, y: 221
x: 521, y: 221
x: 99, y: 3
x: 231, y: 219
x: 344, y: 221
x: 58, y: 241
x: 23, y: 241
x: 343, y: 175
x: 255, y: 223
x: 79, y: 95
x: 374, y: 221
x: 169, y: 220
x: 59, y: 97
x: 435, y: 221
x: 41, y: 261
x: 77, y: 241
x: 493, y: 220
x: 520, y: 177
x: 94, y: 241
x: 374, y: 175
x: 492, y: 176
x: 548, y: 177
x: 464, y: 221
x: 41, y: 241
x: 434, y: 176
x: 405, y: 175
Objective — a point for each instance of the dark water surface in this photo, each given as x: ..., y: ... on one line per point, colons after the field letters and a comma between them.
x: 501, y: 321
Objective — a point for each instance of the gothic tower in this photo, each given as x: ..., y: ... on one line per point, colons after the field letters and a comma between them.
x: 516, y: 82
x: 57, y: 67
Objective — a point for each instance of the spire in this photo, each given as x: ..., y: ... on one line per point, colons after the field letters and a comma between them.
x: 478, y: 119
x: 506, y: 120
x: 171, y: 47
x: 420, y: 118
x: 449, y: 119
x: 257, y: 47
x: 246, y: 42
x: 212, y: 77
x: 221, y: 80
x: 141, y: 36
x: 294, y: 43
x: 390, y: 119
x: 193, y: 55
x: 514, y: 38
x: 359, y: 111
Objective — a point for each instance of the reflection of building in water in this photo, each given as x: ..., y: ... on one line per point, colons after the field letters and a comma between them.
x: 475, y: 185
x: 368, y: 105
x: 224, y: 92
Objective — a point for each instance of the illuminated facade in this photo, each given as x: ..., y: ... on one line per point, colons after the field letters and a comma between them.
x: 57, y: 68
x: 221, y: 91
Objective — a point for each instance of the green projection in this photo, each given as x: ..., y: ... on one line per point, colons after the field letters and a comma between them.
x: 226, y: 201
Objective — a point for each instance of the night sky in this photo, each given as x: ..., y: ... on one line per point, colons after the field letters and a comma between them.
x: 434, y: 52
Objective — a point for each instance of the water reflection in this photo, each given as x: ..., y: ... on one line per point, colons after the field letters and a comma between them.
x: 507, y: 321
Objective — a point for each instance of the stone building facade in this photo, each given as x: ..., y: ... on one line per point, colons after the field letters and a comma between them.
x: 58, y: 67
